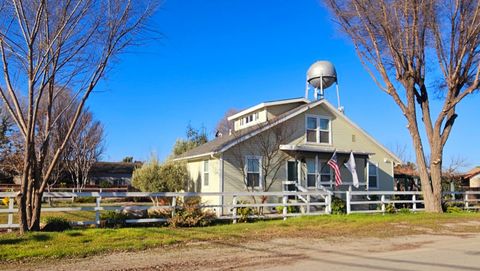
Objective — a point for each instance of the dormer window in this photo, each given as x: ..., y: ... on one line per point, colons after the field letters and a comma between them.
x: 318, y: 129
x: 248, y: 119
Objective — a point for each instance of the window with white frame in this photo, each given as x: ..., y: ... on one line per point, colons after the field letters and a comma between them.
x: 372, y: 175
x: 317, y: 129
x: 253, y: 171
x: 311, y: 173
x: 325, y: 173
x: 206, y: 174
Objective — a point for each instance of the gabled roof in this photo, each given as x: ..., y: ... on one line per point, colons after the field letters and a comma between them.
x: 221, y: 144
x: 267, y: 104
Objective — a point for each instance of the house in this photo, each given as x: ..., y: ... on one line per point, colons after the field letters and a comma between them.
x: 112, y: 173
x: 296, y: 136
x: 471, y: 179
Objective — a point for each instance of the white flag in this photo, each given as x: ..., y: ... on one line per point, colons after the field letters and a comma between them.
x: 352, y: 167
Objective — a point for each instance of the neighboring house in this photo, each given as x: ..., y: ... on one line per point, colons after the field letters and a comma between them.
x: 114, y: 173
x: 471, y: 179
x: 313, y: 131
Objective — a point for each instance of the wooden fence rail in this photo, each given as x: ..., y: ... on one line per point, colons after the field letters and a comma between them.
x: 232, y: 203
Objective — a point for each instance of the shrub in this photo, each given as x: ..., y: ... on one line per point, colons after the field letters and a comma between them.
x: 454, y: 209
x: 85, y: 199
x: 105, y: 184
x: 55, y: 224
x: 290, y: 209
x: 156, y: 177
x: 390, y: 208
x: 338, y: 206
x: 5, y: 201
x: 191, y: 215
x: 156, y: 212
x: 112, y: 219
x: 245, y: 213
x: 404, y: 211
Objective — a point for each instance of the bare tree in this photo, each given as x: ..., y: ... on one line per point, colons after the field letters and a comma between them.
x: 51, y: 46
x: 224, y: 126
x: 84, y: 149
x: 413, y: 50
x: 266, y: 146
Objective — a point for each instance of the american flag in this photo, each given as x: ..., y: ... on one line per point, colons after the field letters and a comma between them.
x: 334, y: 165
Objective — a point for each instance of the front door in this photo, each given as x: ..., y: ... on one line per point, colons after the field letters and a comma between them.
x: 292, y: 176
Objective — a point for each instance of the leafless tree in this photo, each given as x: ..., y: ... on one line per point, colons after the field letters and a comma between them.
x: 84, y: 149
x: 414, y: 50
x: 265, y: 145
x: 51, y: 46
x: 224, y: 126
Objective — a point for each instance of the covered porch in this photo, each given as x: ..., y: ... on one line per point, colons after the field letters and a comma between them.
x: 307, y: 168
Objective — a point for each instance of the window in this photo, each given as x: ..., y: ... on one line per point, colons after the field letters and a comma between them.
x: 205, y: 173
x: 318, y: 129
x: 311, y: 173
x: 325, y: 173
x: 253, y: 171
x: 372, y: 175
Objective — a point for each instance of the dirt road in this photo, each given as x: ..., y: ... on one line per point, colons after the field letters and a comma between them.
x: 422, y: 252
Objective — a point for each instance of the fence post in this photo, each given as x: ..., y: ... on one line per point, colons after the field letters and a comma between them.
x: 97, y: 210
x: 308, y: 203
x: 174, y: 206
x: 383, y: 203
x: 234, y: 209
x: 348, y: 198
x: 328, y: 202
x: 414, y: 200
x: 284, y: 201
x: 467, y: 205
x: 10, y: 213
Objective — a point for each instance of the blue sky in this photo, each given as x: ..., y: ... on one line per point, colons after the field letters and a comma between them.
x: 220, y: 54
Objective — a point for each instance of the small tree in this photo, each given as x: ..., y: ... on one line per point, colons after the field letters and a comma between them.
x: 224, y: 126
x: 156, y: 177
x: 195, y: 138
x: 266, y: 145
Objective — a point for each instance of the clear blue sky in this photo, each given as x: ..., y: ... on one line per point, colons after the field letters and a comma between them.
x: 220, y: 54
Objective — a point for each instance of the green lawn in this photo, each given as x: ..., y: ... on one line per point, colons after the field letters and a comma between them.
x: 84, y: 242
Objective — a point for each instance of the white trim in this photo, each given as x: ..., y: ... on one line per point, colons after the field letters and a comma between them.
x: 320, y: 148
x: 260, y: 174
x: 376, y: 174
x: 209, y: 154
x: 265, y: 104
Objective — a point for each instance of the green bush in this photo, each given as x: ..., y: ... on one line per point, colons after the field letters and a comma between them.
x: 245, y: 213
x: 338, y: 206
x: 290, y: 209
x: 390, y: 208
x: 85, y: 199
x: 404, y: 211
x: 113, y: 219
x: 55, y: 224
x: 189, y: 214
x: 105, y: 184
x: 454, y: 209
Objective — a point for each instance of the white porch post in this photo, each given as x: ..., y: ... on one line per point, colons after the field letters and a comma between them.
x: 317, y: 174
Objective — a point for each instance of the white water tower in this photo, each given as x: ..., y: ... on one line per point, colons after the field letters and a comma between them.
x: 321, y: 75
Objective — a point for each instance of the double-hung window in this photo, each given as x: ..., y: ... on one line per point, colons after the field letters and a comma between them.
x: 372, y: 175
x: 318, y: 129
x: 325, y: 174
x: 206, y: 174
x: 253, y: 171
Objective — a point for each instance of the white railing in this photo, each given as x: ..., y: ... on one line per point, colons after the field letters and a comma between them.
x: 378, y: 201
x: 313, y: 203
x: 228, y: 210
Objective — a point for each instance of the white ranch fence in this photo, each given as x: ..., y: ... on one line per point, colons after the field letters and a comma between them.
x: 316, y: 203
x: 306, y: 203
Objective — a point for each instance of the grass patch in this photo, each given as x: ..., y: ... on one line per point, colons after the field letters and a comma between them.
x: 84, y: 242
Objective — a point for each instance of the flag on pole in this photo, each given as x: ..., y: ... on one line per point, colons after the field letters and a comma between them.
x: 334, y: 165
x: 352, y: 167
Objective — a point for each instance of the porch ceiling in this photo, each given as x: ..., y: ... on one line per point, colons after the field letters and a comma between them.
x: 321, y: 149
